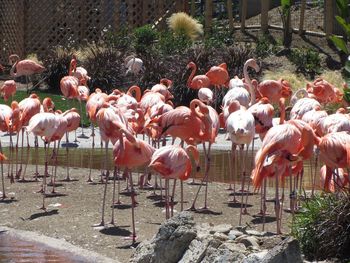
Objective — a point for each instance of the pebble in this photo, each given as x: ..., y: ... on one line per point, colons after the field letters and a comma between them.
x: 222, y: 228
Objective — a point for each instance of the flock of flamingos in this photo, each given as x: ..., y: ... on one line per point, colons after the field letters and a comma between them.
x: 247, y: 110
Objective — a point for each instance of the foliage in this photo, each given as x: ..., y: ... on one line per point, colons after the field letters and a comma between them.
x: 307, y: 61
x: 120, y: 40
x: 285, y: 16
x: 145, y: 36
x: 235, y: 57
x: 57, y: 66
x: 170, y: 43
x: 323, y: 227
x: 105, y: 67
x: 219, y: 36
x: 183, y: 24
x: 265, y: 46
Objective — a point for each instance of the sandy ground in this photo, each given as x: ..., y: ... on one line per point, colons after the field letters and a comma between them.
x: 70, y: 215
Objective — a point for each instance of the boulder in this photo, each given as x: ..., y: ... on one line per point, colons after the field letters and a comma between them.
x: 288, y: 251
x: 170, y: 243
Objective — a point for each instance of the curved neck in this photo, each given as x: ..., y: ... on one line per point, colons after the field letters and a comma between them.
x: 137, y: 92
x: 203, y: 109
x: 13, y: 72
x: 250, y: 85
x: 166, y: 82
x: 72, y: 66
x: 194, y: 151
x: 282, y: 103
x: 194, y: 69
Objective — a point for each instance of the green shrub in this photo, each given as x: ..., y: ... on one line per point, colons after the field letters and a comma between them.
x: 145, y: 36
x: 265, y: 46
x: 57, y: 66
x: 306, y: 60
x: 323, y: 227
x: 170, y: 43
x: 120, y: 40
x: 219, y: 36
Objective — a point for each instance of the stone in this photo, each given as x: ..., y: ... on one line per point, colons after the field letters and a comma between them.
x: 288, y: 251
x: 271, y: 242
x: 255, y: 257
x: 238, y: 247
x: 223, y: 228
x: 170, y: 243
x: 196, y: 251
x: 233, y: 234
x: 253, y: 232
x: 220, y: 236
x: 249, y: 241
x: 222, y: 254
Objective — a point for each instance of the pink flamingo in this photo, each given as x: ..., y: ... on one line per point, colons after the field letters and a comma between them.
x: 199, y: 81
x: 8, y: 89
x: 173, y: 162
x: 24, y: 67
x: 131, y: 152
x: 205, y: 95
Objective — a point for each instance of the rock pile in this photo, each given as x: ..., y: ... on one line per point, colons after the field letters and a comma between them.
x: 179, y: 239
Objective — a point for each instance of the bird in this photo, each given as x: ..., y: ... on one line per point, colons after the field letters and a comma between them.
x: 133, y: 65
x: 24, y: 67
x: 205, y: 95
x: 69, y: 84
x: 274, y: 90
x: 131, y: 152
x: 323, y: 91
x: 302, y: 106
x: 333, y: 180
x: 173, y: 162
x: 218, y: 75
x: 196, y: 82
x: 8, y: 89
x: 163, y: 88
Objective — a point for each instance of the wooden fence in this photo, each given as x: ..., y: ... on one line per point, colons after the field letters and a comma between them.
x: 36, y: 26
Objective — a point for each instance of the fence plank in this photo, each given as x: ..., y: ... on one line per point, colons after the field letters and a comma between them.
x: 243, y: 13
x: 264, y: 15
x: 230, y: 14
x: 302, y: 17
x: 193, y: 8
x: 328, y: 17
x: 208, y: 14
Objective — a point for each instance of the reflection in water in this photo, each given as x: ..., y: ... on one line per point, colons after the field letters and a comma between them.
x: 16, y: 250
x: 219, y: 171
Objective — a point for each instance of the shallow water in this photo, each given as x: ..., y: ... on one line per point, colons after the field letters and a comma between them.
x: 221, y: 169
x: 14, y: 250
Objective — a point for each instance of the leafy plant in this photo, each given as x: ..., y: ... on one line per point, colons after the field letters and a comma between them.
x: 307, y: 61
x: 120, y: 40
x: 323, y: 227
x: 285, y: 16
x: 145, y: 36
x: 219, y: 36
x: 264, y: 46
x: 170, y: 43
x: 57, y: 66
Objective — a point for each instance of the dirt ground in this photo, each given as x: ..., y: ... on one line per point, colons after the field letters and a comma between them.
x: 71, y: 215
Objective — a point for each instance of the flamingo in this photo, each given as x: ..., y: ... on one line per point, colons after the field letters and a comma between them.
x: 323, y: 91
x: 50, y: 127
x: 69, y: 84
x: 199, y: 81
x: 218, y: 77
x: 133, y: 65
x: 173, y: 162
x: 205, y: 95
x: 131, y: 152
x: 8, y: 89
x: 274, y: 90
x: 163, y: 88
x: 332, y: 181
x: 24, y: 67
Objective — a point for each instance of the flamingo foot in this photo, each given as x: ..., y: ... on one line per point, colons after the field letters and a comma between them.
x: 192, y: 208
x: 132, y: 237
x: 43, y: 208
x: 40, y: 191
x: 101, y: 224
x: 245, y: 212
x: 112, y: 222
x: 4, y: 197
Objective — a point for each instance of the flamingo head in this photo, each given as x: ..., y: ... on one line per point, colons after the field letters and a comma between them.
x: 166, y: 82
x: 190, y: 65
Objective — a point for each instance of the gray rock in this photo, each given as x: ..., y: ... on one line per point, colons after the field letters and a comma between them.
x: 223, y: 228
x: 271, y: 242
x: 249, y: 241
x: 235, y: 247
x: 195, y: 252
x: 221, y: 255
x: 234, y: 233
x: 220, y: 236
x: 255, y: 257
x: 287, y: 251
x: 253, y: 232
x: 170, y: 243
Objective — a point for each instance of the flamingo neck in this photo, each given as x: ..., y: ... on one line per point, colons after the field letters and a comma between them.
x: 137, y: 92
x: 72, y: 66
x: 250, y: 85
x: 282, y: 104
x: 13, y: 72
x: 190, y: 78
x: 194, y: 151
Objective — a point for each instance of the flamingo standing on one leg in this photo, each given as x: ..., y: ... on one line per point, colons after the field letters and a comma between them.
x: 199, y: 81
x: 24, y: 67
x: 131, y: 152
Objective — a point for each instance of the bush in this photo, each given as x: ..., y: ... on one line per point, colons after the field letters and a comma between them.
x: 145, y: 36
x: 57, y: 66
x: 323, y: 227
x: 170, y: 43
x: 120, y: 40
x: 306, y: 60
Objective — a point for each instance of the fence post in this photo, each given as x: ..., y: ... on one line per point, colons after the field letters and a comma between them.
x: 329, y: 17
x: 208, y: 14
x: 302, y: 17
x: 264, y: 15
x: 193, y: 8
x: 230, y: 14
x: 116, y: 15
x: 243, y: 13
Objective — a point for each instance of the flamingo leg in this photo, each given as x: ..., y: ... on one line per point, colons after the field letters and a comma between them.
x: 133, y: 204
x: 36, y: 145
x: 172, y: 199
x: 235, y: 164
x: 243, y: 192
x: 92, y: 151
x: 21, y: 161
x: 207, y: 176
x: 11, y: 160
x: 230, y: 166
x: 277, y: 203
x: 315, y: 174
x: 167, y: 198
x: 182, y: 195
x: 263, y: 209
x: 46, y: 147
x: 113, y: 196
x: 56, y: 162
x: 67, y: 160
x: 16, y: 158
x: 2, y: 176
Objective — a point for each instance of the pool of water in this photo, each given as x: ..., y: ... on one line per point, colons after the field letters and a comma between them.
x: 14, y: 250
x: 222, y: 169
